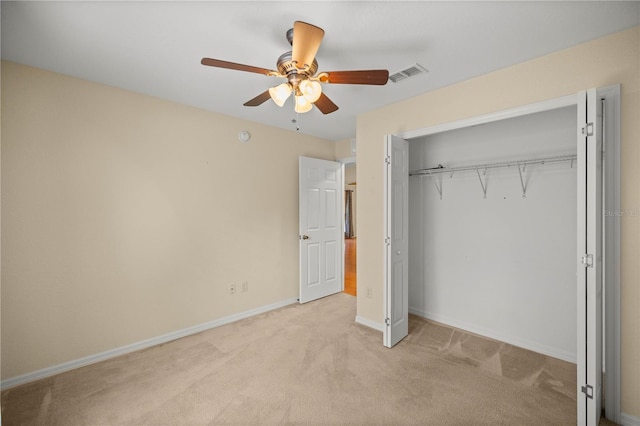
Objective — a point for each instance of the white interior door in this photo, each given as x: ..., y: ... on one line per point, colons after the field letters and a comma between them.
x: 320, y: 228
x: 589, y: 274
x: 396, y: 292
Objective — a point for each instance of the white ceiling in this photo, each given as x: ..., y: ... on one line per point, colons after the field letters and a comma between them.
x: 155, y: 48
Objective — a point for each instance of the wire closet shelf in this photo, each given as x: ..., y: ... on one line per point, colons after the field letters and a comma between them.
x: 520, y: 164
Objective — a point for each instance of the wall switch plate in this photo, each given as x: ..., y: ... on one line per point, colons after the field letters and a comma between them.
x: 232, y: 288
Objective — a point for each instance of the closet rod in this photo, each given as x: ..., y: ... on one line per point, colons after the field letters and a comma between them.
x: 485, y: 166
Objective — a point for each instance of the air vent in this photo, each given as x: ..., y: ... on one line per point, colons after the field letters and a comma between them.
x: 413, y: 70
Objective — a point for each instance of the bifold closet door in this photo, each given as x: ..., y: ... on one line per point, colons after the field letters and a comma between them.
x: 589, y: 264
x: 396, y: 293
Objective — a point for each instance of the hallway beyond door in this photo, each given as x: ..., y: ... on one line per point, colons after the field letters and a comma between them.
x: 350, y: 266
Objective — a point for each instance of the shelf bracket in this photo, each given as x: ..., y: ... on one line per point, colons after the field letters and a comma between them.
x: 483, y: 184
x: 435, y: 183
x: 524, y: 186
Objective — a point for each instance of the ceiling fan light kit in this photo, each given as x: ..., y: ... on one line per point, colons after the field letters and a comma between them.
x: 311, y: 90
x: 280, y: 93
x: 302, y: 104
x: 299, y: 67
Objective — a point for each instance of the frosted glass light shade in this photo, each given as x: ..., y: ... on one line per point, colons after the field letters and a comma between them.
x: 311, y: 90
x: 302, y: 104
x: 280, y: 93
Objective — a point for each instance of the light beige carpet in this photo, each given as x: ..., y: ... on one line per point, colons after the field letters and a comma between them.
x: 307, y: 364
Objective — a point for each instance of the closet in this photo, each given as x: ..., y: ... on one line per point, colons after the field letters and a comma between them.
x: 492, y: 230
x: 502, y: 225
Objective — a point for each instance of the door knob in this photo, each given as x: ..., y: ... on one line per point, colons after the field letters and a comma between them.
x: 304, y: 237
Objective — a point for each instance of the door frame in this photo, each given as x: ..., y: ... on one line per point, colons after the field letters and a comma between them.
x: 345, y: 161
x: 611, y: 219
x: 611, y: 250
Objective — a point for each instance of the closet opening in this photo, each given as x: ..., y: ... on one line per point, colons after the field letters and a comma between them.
x: 492, y: 230
x: 486, y: 260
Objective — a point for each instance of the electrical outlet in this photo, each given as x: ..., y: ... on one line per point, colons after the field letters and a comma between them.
x: 245, y: 286
x: 232, y: 288
x: 369, y: 292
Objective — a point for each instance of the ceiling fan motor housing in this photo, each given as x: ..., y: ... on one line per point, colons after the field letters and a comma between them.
x: 287, y: 67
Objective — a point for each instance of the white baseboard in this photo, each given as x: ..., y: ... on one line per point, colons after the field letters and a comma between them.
x: 92, y: 359
x: 492, y: 334
x: 629, y: 420
x: 372, y: 324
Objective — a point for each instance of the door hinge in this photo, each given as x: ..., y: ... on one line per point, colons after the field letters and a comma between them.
x: 587, y: 129
x: 387, y: 160
x: 587, y: 260
x: 387, y: 321
x: 387, y: 240
x: 587, y: 390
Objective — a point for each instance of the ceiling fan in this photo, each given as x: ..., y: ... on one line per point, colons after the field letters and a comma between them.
x: 299, y: 67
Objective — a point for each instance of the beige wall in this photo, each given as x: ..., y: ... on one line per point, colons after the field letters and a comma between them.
x: 126, y: 217
x: 609, y: 60
x: 343, y: 149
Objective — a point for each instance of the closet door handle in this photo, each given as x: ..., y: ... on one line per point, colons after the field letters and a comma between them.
x: 304, y: 237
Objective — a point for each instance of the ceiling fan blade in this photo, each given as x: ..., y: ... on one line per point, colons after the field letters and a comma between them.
x: 259, y: 100
x: 306, y: 41
x: 374, y: 77
x: 233, y: 66
x: 325, y: 105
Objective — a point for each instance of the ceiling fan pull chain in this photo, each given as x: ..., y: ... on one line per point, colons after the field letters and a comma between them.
x: 295, y: 120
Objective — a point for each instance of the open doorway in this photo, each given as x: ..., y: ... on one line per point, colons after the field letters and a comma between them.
x: 350, y: 226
